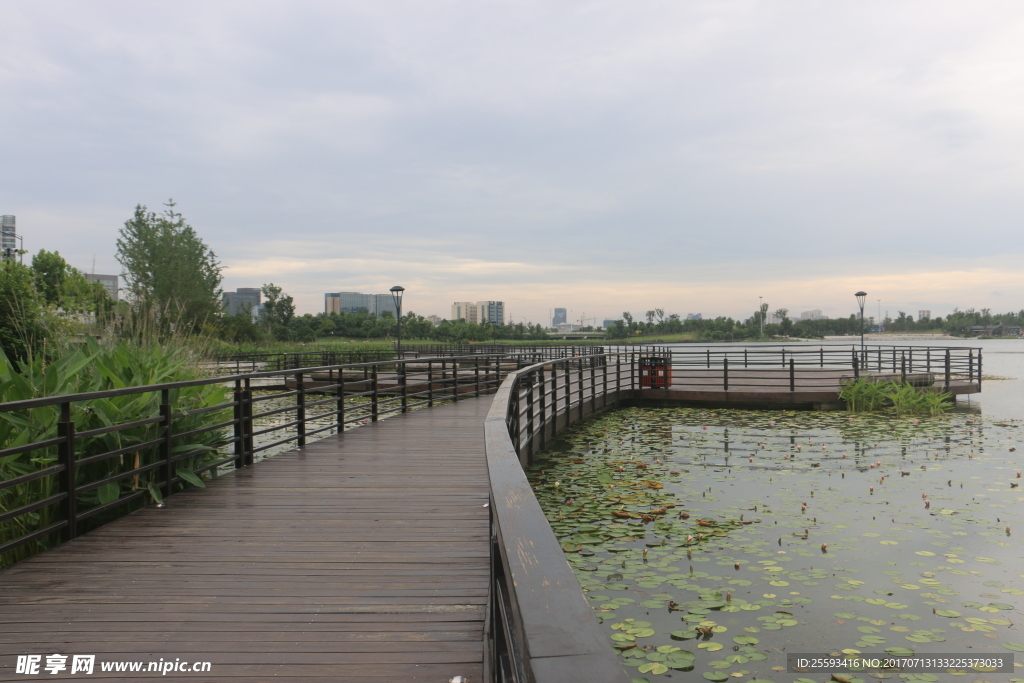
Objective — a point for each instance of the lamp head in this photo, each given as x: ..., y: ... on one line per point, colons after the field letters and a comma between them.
x: 397, y: 292
x: 861, y: 296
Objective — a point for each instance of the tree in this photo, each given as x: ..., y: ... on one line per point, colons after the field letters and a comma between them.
x: 168, y: 269
x: 64, y: 287
x: 279, y: 308
x: 24, y: 325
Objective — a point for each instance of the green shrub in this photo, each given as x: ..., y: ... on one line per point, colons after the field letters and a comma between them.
x: 864, y: 395
x: 93, y: 367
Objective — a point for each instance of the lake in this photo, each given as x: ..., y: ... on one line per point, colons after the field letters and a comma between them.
x: 717, y: 541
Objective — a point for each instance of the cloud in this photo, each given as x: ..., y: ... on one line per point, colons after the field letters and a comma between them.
x: 587, y: 154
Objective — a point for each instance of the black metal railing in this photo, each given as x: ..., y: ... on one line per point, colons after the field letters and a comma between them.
x: 805, y: 368
x: 239, y: 363
x: 540, y: 628
x: 80, y: 462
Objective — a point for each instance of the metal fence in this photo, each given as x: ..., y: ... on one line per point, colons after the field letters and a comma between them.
x: 80, y: 462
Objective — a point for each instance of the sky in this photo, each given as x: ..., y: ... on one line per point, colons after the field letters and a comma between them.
x: 597, y: 156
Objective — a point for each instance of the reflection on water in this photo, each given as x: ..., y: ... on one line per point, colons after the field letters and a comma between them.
x: 821, y: 532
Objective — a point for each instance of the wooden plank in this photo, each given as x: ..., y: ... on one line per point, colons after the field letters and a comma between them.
x: 359, y: 557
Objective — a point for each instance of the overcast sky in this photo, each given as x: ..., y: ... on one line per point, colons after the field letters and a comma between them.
x: 598, y: 156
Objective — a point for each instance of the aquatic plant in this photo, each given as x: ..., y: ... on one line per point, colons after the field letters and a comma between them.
x: 815, y: 535
x: 866, y: 395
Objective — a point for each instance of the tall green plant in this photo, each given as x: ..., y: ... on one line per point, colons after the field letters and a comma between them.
x: 97, y: 368
x: 864, y: 395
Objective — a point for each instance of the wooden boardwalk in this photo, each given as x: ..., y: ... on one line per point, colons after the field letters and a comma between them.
x: 359, y: 558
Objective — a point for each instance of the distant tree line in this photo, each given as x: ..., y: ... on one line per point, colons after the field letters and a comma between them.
x: 958, y: 323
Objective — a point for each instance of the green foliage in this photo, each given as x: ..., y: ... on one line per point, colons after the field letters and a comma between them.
x: 169, y: 269
x: 865, y: 395
x: 96, y: 368
x: 24, y: 324
x: 61, y: 286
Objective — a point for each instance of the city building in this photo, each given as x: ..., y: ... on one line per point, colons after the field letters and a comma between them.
x: 608, y: 323
x: 435, y: 319
x: 8, y: 234
x: 694, y: 316
x: 924, y: 315
x: 238, y: 300
x: 813, y: 315
x: 464, y: 310
x: 559, y: 317
x: 109, y: 283
x: 492, y: 312
x: 357, y: 302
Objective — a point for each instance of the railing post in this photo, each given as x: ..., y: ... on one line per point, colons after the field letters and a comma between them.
x: 476, y: 374
x: 856, y: 366
x: 579, y: 374
x: 530, y: 428
x: 725, y: 373
x: 374, y: 395
x: 821, y: 353
x: 300, y: 408
x: 568, y: 392
x: 341, y: 401
x: 239, y: 424
x: 248, y: 428
x: 618, y: 377
x: 979, y: 370
x: 542, y: 388
x: 903, y: 369
x: 970, y: 365
x: 430, y: 384
x: 709, y: 358
x: 792, y: 375
x: 593, y: 386
x: 604, y: 382
x: 67, y: 479
x: 165, y: 443
x: 947, y: 369
x: 403, y: 378
x: 455, y: 380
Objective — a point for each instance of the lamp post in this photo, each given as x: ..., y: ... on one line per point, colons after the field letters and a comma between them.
x: 861, y: 297
x: 396, y: 293
x: 760, y: 313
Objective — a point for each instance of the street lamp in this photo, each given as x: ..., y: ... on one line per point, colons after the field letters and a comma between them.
x: 760, y: 313
x: 861, y: 297
x: 396, y: 292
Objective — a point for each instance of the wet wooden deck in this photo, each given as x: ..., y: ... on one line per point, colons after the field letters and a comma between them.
x: 359, y: 558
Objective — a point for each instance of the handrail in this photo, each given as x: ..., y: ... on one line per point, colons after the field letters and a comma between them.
x: 173, y: 438
x: 540, y: 627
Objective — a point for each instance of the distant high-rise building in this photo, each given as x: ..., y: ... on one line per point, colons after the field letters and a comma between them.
x: 559, y: 317
x: 465, y: 310
x: 357, y: 302
x: 492, y: 312
x: 813, y: 315
x: 8, y: 234
x: 243, y: 297
x: 694, y: 316
x: 109, y: 283
x: 924, y: 315
x: 435, y: 319
x: 608, y: 323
